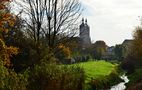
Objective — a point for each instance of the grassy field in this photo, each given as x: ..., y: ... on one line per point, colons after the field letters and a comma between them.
x: 96, y: 69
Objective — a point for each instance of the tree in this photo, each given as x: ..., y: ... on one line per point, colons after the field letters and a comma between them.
x: 6, y: 22
x: 99, y: 48
x: 118, y: 51
x: 54, y: 20
x: 134, y: 57
x: 6, y: 19
x: 136, y: 49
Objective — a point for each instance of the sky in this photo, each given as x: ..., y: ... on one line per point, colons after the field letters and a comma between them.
x: 112, y: 21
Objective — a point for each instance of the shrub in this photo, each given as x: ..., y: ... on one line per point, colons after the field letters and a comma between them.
x: 9, y: 80
x: 135, y: 77
x: 105, y: 82
x: 128, y: 64
x: 56, y: 77
x: 135, y: 86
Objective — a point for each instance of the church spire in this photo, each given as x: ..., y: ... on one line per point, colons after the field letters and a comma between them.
x: 82, y: 20
x: 86, y: 21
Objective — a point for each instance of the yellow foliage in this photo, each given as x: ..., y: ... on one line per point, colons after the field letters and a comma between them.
x: 66, y: 51
x: 7, y: 20
x: 6, y: 53
x: 12, y: 50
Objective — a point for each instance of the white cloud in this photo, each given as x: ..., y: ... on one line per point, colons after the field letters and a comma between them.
x: 112, y: 20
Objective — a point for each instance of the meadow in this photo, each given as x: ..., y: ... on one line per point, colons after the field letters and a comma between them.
x: 96, y: 69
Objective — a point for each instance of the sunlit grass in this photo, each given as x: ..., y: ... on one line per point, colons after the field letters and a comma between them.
x: 96, y: 69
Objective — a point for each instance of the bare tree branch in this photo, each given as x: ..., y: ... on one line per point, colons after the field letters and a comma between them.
x: 51, y: 19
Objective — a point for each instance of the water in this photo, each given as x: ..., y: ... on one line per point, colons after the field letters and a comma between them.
x: 121, y: 86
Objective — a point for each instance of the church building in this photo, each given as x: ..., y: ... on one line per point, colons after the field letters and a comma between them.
x: 84, y: 34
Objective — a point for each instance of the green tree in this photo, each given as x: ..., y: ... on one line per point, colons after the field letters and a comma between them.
x: 136, y: 49
x: 118, y: 50
x: 98, y: 49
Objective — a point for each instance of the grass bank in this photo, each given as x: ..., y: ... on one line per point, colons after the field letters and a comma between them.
x: 100, y: 74
x: 135, y: 80
x: 96, y: 69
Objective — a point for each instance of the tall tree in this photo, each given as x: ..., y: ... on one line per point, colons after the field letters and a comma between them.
x: 55, y: 20
x: 136, y: 49
x: 6, y: 22
x: 99, y: 48
x: 118, y: 50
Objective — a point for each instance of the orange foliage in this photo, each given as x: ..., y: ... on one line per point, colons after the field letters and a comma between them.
x: 6, y: 53
x: 3, y: 4
x: 6, y: 21
x: 66, y: 51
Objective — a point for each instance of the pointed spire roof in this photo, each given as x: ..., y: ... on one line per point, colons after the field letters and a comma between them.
x: 86, y: 20
x: 82, y: 20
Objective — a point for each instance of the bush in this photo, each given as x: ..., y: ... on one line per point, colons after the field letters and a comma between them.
x: 135, y: 77
x: 105, y: 82
x: 9, y: 80
x: 128, y: 64
x: 56, y: 77
x: 135, y: 86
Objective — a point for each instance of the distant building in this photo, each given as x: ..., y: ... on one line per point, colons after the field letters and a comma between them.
x: 109, y: 54
x: 84, y: 34
x: 110, y: 50
x: 127, y: 42
x: 126, y: 46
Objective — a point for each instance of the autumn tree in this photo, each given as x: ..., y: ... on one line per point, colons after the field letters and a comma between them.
x: 6, y: 22
x: 6, y: 19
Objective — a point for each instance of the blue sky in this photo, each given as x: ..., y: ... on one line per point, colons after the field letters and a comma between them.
x: 112, y: 20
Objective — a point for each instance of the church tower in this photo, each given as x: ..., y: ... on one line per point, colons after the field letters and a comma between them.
x: 84, y: 34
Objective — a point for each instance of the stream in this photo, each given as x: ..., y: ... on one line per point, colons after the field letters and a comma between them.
x: 121, y: 85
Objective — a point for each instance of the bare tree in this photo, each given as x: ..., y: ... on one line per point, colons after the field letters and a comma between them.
x: 55, y: 20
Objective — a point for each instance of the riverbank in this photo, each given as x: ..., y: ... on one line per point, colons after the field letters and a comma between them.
x: 121, y: 85
x: 135, y: 80
x: 100, y: 74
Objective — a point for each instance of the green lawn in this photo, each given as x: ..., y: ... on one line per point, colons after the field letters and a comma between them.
x: 96, y: 69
